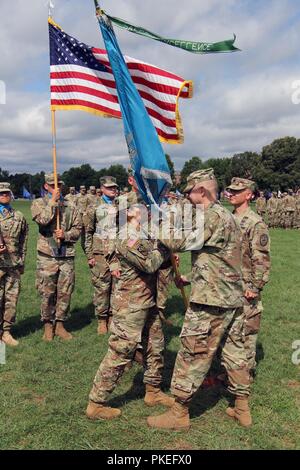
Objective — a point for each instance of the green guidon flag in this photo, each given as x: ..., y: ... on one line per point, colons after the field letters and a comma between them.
x: 191, y: 46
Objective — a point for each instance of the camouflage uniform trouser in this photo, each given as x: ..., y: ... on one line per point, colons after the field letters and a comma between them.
x: 10, y: 283
x: 203, y: 329
x: 82, y: 239
x: 297, y: 220
x: 102, y: 281
x: 55, y: 282
x: 253, y: 311
x: 271, y: 219
x: 288, y: 220
x: 128, y: 329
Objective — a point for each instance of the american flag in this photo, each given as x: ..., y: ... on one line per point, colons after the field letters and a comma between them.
x: 81, y: 79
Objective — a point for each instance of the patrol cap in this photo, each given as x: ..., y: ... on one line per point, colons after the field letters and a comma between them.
x: 72, y: 188
x: 49, y: 178
x: 93, y: 188
x: 238, y: 184
x: 5, y: 188
x: 108, y: 182
x: 198, y: 177
x: 82, y: 187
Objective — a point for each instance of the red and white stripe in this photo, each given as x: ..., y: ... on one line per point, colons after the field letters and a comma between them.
x: 95, y: 91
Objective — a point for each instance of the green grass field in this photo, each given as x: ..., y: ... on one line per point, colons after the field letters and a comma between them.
x: 44, y: 387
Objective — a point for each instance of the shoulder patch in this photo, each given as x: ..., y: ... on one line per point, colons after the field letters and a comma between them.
x: 264, y: 239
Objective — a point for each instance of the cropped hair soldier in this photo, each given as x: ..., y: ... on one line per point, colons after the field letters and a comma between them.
x: 13, y: 244
x: 215, y: 309
x: 255, y: 261
x: 71, y: 197
x: 55, y: 257
x: 82, y: 204
x: 100, y: 229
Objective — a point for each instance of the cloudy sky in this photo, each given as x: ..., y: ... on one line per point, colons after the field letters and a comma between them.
x: 241, y: 101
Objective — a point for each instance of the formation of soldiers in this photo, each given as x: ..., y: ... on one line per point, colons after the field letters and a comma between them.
x: 280, y: 212
x: 131, y: 274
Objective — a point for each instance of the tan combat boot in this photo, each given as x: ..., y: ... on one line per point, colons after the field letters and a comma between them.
x: 61, y: 332
x: 240, y: 412
x: 98, y: 411
x: 154, y: 396
x: 176, y: 418
x: 102, y: 327
x: 230, y: 412
x: 48, y: 331
x: 8, y: 339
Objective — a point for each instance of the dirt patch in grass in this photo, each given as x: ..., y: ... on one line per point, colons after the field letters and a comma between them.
x: 181, y: 444
x: 293, y: 384
x: 33, y: 397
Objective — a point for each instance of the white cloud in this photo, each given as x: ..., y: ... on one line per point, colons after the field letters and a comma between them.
x: 242, y: 101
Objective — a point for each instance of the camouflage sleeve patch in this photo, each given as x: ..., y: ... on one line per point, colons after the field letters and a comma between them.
x: 264, y: 240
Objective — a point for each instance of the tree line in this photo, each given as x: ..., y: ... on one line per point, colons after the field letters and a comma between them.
x: 276, y: 167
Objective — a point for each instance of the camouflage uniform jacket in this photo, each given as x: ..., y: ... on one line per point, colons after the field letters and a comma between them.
x: 255, y: 250
x: 43, y: 212
x: 101, y: 229
x: 272, y: 204
x: 82, y: 202
x: 261, y: 204
x: 93, y: 200
x: 14, y: 230
x: 289, y: 204
x: 216, y: 277
x: 139, y: 260
x: 71, y: 198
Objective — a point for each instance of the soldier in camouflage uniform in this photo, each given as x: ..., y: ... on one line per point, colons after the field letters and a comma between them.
x: 93, y: 198
x: 255, y: 260
x: 71, y: 197
x: 271, y: 210
x: 55, y: 257
x: 297, y: 212
x: 215, y: 310
x: 82, y: 204
x: 135, y: 320
x: 13, y: 242
x: 100, y: 222
x: 289, y: 209
x: 261, y: 205
x: 279, y: 212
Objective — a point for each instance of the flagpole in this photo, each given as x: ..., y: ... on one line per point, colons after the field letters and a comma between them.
x: 54, y: 156
x: 97, y: 6
x: 177, y: 277
x: 173, y: 260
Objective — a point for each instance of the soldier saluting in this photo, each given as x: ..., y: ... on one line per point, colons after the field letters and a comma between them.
x: 55, y: 258
x: 13, y: 242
